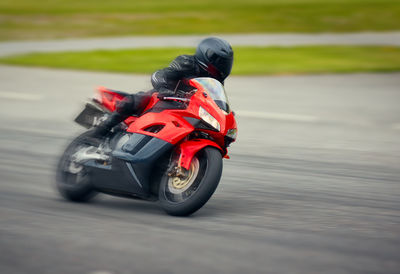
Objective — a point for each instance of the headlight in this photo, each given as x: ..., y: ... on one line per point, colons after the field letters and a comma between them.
x: 209, y: 119
x: 232, y: 133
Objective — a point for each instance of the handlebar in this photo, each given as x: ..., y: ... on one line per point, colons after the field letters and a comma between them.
x: 175, y: 99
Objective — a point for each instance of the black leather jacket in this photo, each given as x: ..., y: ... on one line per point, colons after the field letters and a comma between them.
x: 183, y: 66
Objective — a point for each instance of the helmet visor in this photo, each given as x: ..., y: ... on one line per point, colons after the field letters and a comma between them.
x: 222, y: 64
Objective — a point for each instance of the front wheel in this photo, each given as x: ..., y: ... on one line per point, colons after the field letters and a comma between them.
x: 183, y: 195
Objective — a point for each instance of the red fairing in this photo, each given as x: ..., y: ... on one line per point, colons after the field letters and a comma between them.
x: 109, y: 98
x: 189, y: 148
x: 174, y: 128
x: 175, y: 125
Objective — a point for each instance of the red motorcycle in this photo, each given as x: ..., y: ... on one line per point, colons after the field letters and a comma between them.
x: 172, y: 152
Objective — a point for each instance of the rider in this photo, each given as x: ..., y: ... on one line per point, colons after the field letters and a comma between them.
x: 213, y: 58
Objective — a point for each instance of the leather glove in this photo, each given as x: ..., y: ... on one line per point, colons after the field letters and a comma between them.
x: 165, y: 93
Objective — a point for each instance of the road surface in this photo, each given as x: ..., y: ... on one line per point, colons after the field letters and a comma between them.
x: 290, y: 39
x: 312, y: 185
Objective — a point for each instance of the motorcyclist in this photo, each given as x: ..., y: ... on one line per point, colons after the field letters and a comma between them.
x: 213, y: 58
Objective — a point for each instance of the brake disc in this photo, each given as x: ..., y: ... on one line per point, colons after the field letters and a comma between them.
x: 179, y: 184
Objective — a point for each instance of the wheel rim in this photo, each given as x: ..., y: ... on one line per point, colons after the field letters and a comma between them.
x: 179, y: 184
x: 180, y: 188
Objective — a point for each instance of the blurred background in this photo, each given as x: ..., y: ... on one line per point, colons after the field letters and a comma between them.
x: 312, y: 185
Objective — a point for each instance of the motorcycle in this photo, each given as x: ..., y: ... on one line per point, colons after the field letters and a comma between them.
x: 171, y: 153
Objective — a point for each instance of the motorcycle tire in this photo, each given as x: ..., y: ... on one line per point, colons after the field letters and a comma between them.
x: 66, y: 182
x: 184, y: 196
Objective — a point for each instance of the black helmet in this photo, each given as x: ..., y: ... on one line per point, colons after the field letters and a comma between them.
x: 215, y: 56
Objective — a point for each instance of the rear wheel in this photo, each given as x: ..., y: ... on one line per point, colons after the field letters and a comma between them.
x: 72, y: 179
x: 183, y: 195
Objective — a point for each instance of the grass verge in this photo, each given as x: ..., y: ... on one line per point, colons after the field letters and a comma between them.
x: 248, y: 60
x: 28, y: 19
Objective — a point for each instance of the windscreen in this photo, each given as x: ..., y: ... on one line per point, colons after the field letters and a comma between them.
x: 216, y: 91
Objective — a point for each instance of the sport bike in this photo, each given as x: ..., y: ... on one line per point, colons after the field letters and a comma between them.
x: 172, y: 152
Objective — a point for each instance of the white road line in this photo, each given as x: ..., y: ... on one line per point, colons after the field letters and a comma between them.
x: 396, y: 126
x: 101, y: 272
x: 284, y: 39
x: 277, y: 116
x: 20, y: 96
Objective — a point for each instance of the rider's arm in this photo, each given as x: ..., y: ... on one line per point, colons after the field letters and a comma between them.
x: 166, y: 79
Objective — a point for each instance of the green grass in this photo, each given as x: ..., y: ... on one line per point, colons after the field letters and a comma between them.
x: 248, y: 60
x: 29, y: 19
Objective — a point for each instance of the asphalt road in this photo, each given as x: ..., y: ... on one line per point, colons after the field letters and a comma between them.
x: 312, y: 185
x: 288, y: 39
